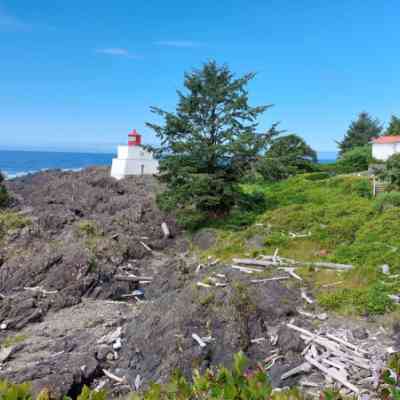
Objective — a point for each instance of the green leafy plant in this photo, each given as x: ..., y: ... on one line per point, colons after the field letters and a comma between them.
x: 88, y: 394
x: 355, y: 160
x: 12, y: 391
x: 388, y: 200
x: 391, y: 172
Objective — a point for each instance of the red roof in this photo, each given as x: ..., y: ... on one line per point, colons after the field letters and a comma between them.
x: 134, y: 133
x: 386, y: 139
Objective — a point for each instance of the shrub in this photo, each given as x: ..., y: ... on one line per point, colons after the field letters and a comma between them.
x: 317, y: 176
x: 388, y: 200
x: 355, y: 160
x: 391, y: 172
x: 11, y: 220
x: 88, y: 228
x: 223, y: 383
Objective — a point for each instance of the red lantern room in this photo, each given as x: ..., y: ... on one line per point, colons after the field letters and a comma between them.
x: 134, y: 139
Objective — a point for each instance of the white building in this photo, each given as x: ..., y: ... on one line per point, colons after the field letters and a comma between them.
x: 385, y: 146
x: 133, y: 159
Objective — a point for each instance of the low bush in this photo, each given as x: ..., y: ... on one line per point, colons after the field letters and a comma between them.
x: 355, y: 160
x: 391, y: 172
x: 317, y: 176
x: 387, y: 200
x: 10, y: 221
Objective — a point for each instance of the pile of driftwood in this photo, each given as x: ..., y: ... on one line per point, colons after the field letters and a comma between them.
x: 276, y: 261
x: 355, y: 369
x: 256, y: 265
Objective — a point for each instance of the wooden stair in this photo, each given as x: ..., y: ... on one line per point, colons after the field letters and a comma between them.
x: 379, y: 187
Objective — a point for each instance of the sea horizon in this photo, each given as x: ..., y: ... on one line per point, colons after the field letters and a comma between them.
x: 15, y: 163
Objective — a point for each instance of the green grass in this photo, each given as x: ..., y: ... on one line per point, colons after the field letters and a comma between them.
x: 345, y: 224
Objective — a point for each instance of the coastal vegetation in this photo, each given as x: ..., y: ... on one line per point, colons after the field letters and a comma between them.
x: 3, y: 192
x: 222, y: 383
x: 335, y: 219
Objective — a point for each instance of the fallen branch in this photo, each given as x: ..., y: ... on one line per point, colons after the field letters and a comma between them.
x: 291, y: 272
x: 304, y: 296
x: 114, y: 377
x: 146, y: 246
x: 41, y: 290
x: 332, y: 373
x: 198, y: 339
x: 276, y: 278
x: 165, y: 230
x: 305, y: 367
x: 252, y: 261
x: 247, y: 270
x: 205, y: 285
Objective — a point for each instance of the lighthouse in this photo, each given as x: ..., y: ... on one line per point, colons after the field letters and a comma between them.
x: 133, y: 159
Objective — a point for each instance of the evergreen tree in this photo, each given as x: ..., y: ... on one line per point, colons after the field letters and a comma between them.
x: 394, y: 126
x: 287, y: 155
x: 208, y: 143
x: 360, y: 132
x: 3, y: 192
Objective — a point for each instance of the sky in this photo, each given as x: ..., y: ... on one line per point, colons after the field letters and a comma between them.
x: 79, y: 75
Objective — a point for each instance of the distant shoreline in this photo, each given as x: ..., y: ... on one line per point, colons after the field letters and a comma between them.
x: 16, y: 163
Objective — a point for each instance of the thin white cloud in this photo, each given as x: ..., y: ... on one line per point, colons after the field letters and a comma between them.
x: 117, y: 52
x: 9, y: 22
x: 179, y: 43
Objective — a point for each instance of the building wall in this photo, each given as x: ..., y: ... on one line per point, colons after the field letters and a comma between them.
x: 384, y: 151
x: 137, y: 152
x: 133, y: 160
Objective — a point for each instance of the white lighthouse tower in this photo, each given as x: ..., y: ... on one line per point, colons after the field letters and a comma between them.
x: 133, y: 159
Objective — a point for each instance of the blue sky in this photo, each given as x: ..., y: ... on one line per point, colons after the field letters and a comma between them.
x: 78, y: 75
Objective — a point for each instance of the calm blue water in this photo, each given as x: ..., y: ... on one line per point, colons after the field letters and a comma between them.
x: 17, y: 163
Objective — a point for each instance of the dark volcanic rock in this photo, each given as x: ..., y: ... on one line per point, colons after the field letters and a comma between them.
x: 205, y: 238
x: 85, y: 225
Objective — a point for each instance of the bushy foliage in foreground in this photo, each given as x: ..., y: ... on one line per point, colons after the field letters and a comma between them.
x: 237, y: 383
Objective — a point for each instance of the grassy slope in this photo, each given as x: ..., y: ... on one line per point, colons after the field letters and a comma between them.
x: 345, y: 226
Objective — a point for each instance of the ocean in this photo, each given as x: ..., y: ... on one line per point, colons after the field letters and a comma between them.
x: 18, y: 163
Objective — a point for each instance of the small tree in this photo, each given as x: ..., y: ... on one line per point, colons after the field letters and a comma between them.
x: 355, y: 160
x: 208, y: 143
x: 360, y: 132
x: 394, y: 126
x: 3, y: 192
x: 287, y: 155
